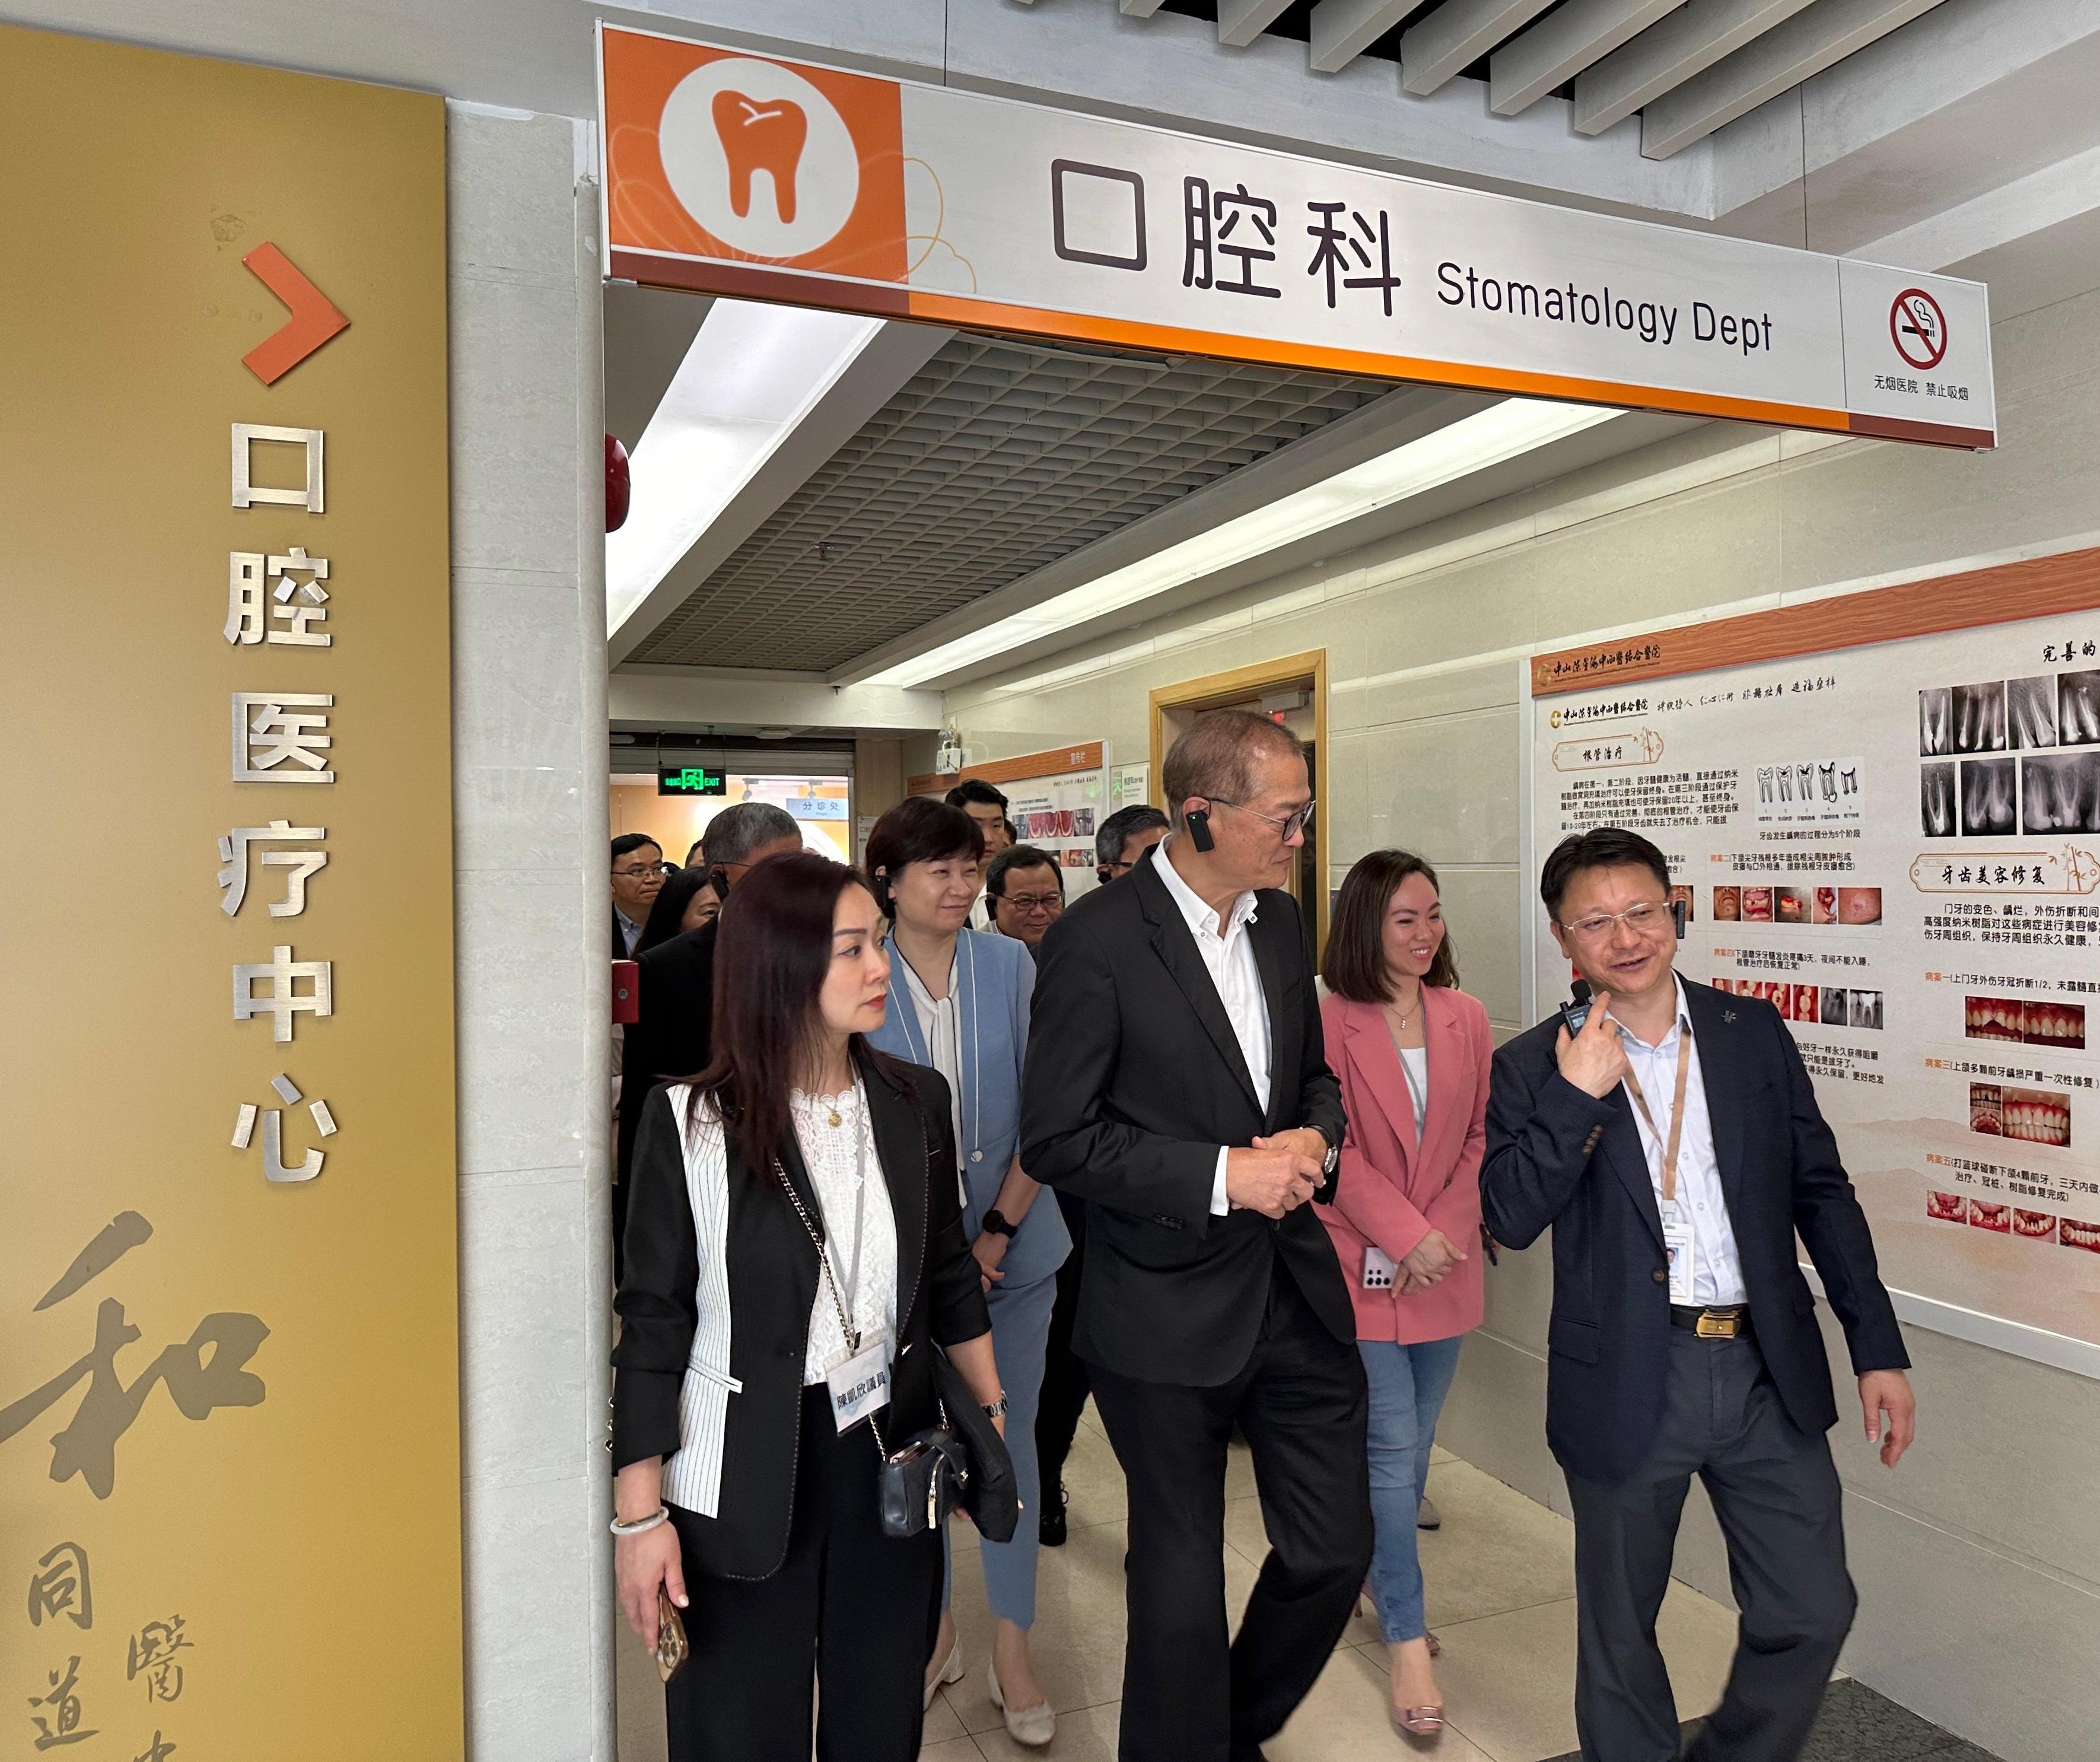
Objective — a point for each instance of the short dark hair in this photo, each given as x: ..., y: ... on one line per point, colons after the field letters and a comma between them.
x: 1021, y: 856
x: 629, y: 842
x: 1600, y: 847
x: 1354, y: 963
x: 977, y: 790
x: 919, y: 829
x: 1214, y: 759
x: 1123, y: 825
x: 739, y: 829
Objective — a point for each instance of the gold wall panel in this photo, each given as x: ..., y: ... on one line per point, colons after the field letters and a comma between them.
x: 242, y: 1405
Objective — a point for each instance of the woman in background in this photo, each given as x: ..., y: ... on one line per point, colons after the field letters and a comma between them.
x: 1412, y: 1052
x: 959, y: 1001
x: 684, y: 903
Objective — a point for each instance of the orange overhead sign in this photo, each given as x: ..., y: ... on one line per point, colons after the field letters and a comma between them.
x: 736, y: 173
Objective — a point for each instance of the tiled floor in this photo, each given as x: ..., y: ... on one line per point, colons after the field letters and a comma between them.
x: 1500, y: 1585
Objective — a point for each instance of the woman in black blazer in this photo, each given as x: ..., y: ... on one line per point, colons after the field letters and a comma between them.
x: 736, y: 1491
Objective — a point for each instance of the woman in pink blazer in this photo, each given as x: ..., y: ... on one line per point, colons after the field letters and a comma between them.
x: 1412, y: 1051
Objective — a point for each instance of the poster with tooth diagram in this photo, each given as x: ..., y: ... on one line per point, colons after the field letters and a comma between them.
x: 1896, y: 843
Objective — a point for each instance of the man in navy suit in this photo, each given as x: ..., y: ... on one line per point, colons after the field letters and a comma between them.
x: 1675, y: 1148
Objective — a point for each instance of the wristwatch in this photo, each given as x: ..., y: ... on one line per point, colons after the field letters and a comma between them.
x: 996, y: 1410
x: 1332, y: 1160
x: 997, y: 1224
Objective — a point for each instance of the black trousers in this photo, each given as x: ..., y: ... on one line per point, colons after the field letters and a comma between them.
x: 1302, y: 1404
x: 1065, y: 1382
x: 851, y: 1613
x: 1776, y: 1492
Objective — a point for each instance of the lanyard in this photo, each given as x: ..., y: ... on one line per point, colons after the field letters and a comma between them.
x: 1676, y: 1110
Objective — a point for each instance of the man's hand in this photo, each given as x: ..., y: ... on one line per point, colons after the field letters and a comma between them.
x: 1888, y: 1393
x: 1271, y: 1182
x: 1429, y: 1260
x: 1303, y: 1139
x: 1594, y: 1061
x: 990, y: 1249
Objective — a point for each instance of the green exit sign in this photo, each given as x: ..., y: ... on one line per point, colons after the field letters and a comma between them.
x: 691, y: 779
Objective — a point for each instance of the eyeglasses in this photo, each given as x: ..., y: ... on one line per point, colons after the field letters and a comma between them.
x: 644, y: 872
x: 1645, y: 919
x: 1288, y: 825
x: 1025, y: 903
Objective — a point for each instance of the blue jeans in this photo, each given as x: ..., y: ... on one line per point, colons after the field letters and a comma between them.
x: 1408, y: 1387
x: 1019, y: 1334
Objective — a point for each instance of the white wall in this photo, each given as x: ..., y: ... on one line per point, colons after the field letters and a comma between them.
x: 529, y: 807
x: 1979, y: 1561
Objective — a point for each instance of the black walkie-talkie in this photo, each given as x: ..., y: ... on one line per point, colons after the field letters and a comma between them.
x: 1575, y: 1011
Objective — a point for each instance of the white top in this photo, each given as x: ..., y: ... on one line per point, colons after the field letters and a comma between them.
x: 1716, y: 1274
x: 858, y: 1225
x: 940, y: 1026
x: 1415, y: 1066
x: 1227, y: 953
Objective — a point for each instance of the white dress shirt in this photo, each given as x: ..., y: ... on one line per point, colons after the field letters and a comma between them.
x: 1716, y: 1274
x: 1227, y: 953
x: 940, y: 1027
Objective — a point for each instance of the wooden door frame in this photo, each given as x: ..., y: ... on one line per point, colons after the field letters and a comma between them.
x: 1236, y: 685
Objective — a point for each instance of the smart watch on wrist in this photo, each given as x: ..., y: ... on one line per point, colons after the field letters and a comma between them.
x: 996, y: 1224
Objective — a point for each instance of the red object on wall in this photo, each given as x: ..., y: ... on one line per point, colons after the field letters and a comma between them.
x: 618, y: 485
x: 627, y: 991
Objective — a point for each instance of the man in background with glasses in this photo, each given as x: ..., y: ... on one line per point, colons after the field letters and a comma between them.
x: 1177, y: 1083
x: 1026, y: 889
x: 638, y: 870
x: 1671, y: 1140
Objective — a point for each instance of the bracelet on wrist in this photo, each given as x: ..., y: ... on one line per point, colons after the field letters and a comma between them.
x: 996, y: 1409
x: 641, y: 1525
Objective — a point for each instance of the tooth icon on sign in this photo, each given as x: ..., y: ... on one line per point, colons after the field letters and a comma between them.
x: 761, y: 136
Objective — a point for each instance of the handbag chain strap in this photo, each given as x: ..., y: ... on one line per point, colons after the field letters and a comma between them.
x: 830, y: 1283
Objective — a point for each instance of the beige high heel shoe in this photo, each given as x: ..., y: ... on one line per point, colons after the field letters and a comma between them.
x: 1034, y: 1726
x: 950, y: 1670
x: 1421, y: 1726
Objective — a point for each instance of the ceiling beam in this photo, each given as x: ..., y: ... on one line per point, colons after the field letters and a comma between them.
x: 1455, y: 36
x: 1241, y: 21
x: 1778, y: 61
x: 737, y: 697
x: 1557, y: 48
x: 1670, y: 53
x: 1343, y: 29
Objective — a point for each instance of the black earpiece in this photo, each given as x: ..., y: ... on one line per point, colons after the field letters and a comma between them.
x: 718, y: 879
x: 881, y: 882
x: 1199, y: 830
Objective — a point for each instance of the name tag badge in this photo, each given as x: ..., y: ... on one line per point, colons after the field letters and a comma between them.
x: 861, y: 1385
x: 1381, y: 1270
x: 1677, y: 1243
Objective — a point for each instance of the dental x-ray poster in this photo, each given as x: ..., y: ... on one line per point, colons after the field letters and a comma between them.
x: 1896, y: 843
x: 1059, y: 814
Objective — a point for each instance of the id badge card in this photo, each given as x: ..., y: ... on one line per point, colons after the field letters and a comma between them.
x: 1677, y: 1243
x: 1381, y: 1270
x: 861, y: 1385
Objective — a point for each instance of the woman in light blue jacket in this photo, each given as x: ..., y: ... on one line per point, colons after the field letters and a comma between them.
x: 959, y: 1001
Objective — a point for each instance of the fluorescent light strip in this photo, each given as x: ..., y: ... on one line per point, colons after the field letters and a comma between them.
x: 752, y: 373
x: 1487, y: 438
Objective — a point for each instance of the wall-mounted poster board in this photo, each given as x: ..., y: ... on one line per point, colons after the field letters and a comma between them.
x: 1883, y: 808
x: 1056, y: 799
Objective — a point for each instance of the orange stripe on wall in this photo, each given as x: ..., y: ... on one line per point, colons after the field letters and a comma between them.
x: 1084, y: 756
x: 2036, y: 588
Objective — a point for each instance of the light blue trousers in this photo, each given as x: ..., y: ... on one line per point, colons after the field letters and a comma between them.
x: 1408, y: 1387
x: 1019, y: 1334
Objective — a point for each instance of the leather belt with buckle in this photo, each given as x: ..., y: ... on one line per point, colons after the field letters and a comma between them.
x: 1729, y: 1323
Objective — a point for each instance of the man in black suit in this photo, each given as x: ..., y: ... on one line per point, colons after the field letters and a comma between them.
x: 671, y: 1035
x: 1675, y: 1148
x: 1176, y: 1082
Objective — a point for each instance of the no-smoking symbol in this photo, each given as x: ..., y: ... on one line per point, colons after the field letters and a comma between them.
x: 1918, y: 328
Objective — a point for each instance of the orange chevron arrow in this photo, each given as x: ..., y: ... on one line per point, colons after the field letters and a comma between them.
x: 313, y: 320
